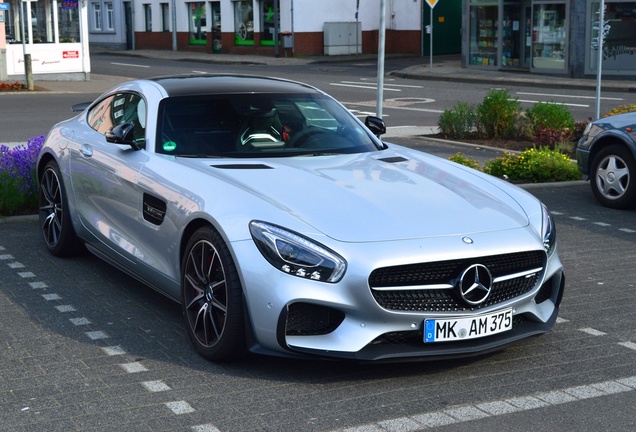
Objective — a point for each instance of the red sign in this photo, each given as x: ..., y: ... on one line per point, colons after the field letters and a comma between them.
x: 70, y: 54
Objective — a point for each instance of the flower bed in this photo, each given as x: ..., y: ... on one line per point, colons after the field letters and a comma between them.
x: 18, y: 180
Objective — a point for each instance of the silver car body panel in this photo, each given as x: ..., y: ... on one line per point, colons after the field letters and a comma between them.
x: 378, y: 209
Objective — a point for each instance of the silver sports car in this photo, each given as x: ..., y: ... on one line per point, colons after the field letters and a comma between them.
x: 284, y: 225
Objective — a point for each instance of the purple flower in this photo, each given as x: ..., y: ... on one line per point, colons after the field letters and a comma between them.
x: 18, y: 180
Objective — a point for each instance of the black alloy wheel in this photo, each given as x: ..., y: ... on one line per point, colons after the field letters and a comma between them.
x: 212, y: 297
x: 55, y: 223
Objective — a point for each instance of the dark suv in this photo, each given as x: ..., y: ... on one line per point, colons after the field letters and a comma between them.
x: 606, y: 155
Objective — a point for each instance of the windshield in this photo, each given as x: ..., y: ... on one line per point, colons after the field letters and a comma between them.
x: 258, y: 125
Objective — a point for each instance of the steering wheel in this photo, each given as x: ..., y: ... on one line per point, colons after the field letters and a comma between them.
x: 307, y: 136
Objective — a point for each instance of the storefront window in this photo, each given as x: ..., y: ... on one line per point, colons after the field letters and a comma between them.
x: 619, y: 43
x: 268, y: 22
x: 198, y: 34
x: 243, y: 23
x: 68, y: 21
x: 483, y: 35
x: 548, y: 36
x: 42, y: 23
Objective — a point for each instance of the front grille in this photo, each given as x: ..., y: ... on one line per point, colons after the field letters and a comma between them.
x: 306, y: 319
x: 447, y: 273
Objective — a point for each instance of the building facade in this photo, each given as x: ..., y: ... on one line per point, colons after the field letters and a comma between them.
x: 555, y: 37
x: 54, y: 34
x: 252, y: 26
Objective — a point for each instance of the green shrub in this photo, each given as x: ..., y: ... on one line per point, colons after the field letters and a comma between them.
x: 498, y: 114
x: 462, y: 159
x: 622, y: 109
x: 534, y: 165
x: 550, y: 115
x: 458, y: 121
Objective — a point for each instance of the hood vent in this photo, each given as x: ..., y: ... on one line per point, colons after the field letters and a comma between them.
x: 242, y: 166
x: 393, y: 159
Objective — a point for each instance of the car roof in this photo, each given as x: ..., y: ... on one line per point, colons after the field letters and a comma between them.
x: 195, y: 85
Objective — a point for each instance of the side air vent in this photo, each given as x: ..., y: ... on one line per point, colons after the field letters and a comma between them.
x: 394, y: 159
x: 242, y: 166
x: 154, y: 209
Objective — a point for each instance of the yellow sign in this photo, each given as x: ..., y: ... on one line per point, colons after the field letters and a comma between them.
x: 432, y: 3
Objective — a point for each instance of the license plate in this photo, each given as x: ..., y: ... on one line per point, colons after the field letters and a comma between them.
x: 453, y: 329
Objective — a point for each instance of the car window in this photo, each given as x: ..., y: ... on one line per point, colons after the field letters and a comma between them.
x: 258, y: 125
x: 117, y: 109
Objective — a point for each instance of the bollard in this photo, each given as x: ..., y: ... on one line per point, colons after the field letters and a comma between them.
x: 28, y: 71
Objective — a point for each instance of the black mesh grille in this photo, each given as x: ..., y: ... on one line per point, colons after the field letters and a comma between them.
x: 447, y: 272
x: 305, y: 319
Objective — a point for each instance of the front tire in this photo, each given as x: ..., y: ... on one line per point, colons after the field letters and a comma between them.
x: 212, y: 297
x: 55, y: 221
x: 613, y: 177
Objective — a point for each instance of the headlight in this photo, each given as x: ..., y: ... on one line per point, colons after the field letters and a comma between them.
x: 548, y: 231
x: 297, y: 255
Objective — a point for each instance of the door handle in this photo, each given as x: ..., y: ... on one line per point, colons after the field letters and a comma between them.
x: 86, y: 150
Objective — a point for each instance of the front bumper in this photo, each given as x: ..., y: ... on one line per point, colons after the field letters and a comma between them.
x: 302, y: 318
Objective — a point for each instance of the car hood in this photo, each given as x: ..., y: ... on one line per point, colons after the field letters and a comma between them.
x: 377, y: 196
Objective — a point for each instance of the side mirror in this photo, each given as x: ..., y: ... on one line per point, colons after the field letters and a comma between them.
x: 375, y: 125
x: 122, y: 134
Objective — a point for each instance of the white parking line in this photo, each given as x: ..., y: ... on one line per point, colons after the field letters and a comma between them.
x: 363, y: 87
x: 134, y: 367
x: 156, y: 386
x: 79, y: 321
x: 592, y: 331
x: 180, y: 407
x: 113, y: 350
x: 466, y: 413
x: 130, y: 65
x: 95, y: 335
x: 567, y: 96
x: 556, y: 103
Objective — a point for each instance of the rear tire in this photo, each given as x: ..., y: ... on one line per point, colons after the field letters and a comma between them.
x: 55, y: 221
x: 212, y: 297
x: 613, y: 177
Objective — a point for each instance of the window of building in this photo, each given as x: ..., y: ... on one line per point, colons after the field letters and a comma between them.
x: 97, y: 16
x: 148, y: 17
x: 68, y: 21
x: 549, y: 36
x: 42, y: 23
x: 483, y: 39
x: 110, y: 17
x: 619, y: 41
x: 268, y: 22
x: 165, y: 17
x: 102, y: 16
x: 243, y: 23
x: 197, y: 20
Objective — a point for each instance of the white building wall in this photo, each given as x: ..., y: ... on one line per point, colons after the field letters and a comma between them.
x: 309, y: 15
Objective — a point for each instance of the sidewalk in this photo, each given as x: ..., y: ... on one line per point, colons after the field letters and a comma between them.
x: 445, y: 68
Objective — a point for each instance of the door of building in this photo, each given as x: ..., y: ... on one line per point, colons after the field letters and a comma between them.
x: 512, y: 42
